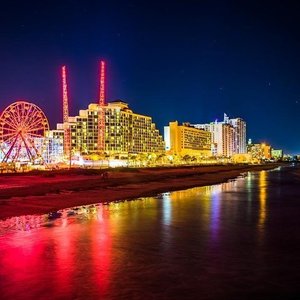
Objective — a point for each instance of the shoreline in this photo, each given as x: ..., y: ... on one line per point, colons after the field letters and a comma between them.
x: 28, y: 194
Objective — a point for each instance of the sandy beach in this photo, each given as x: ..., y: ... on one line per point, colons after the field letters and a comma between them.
x: 44, y: 192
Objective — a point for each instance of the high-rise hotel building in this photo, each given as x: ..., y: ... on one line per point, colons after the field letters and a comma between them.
x: 126, y: 132
x: 228, y: 137
x: 187, y: 140
x: 239, y: 134
x: 221, y: 136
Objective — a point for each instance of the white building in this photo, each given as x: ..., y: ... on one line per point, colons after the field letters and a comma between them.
x: 240, y: 142
x: 167, y: 138
x: 54, y: 145
x: 228, y: 136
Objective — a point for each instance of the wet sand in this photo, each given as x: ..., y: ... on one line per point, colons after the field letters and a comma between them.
x: 44, y: 192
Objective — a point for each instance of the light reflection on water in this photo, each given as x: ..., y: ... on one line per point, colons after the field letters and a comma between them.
x: 262, y: 197
x: 209, y: 241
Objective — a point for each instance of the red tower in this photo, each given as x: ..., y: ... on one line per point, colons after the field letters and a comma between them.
x: 67, y: 135
x: 101, y: 111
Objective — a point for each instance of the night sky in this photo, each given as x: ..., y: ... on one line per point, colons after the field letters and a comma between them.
x: 173, y: 60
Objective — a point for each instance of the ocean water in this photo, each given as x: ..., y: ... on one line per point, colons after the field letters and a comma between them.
x: 236, y: 240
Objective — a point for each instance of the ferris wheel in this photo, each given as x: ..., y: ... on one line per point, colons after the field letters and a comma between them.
x: 22, y: 130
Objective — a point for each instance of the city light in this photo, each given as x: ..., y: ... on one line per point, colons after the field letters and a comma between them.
x: 121, y: 137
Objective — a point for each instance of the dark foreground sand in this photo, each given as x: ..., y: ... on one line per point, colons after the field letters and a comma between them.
x: 23, y: 194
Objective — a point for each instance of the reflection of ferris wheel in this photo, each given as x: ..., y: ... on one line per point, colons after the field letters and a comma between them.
x: 22, y: 130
